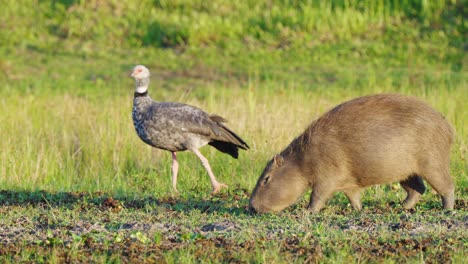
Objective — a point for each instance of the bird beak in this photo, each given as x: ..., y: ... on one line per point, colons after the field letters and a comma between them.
x: 133, y: 74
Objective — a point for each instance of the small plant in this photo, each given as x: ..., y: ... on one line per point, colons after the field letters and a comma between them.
x: 139, y: 236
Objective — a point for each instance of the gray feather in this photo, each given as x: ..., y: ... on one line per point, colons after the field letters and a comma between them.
x: 178, y: 127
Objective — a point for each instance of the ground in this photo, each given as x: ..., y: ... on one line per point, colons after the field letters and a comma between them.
x: 84, y: 227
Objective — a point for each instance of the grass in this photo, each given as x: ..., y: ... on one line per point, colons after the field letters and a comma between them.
x: 77, y: 185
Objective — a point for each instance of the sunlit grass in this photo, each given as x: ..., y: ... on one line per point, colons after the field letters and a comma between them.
x: 67, y: 142
x: 83, y: 138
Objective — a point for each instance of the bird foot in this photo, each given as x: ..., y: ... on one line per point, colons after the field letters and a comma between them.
x: 218, y: 187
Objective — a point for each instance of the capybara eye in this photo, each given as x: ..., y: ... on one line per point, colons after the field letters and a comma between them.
x: 265, y: 181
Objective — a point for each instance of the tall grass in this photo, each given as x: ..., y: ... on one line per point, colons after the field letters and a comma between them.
x: 269, y: 67
x: 67, y: 141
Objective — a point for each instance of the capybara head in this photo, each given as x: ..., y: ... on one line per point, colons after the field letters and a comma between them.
x: 279, y: 186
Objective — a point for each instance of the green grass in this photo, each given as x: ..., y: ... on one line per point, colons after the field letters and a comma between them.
x: 77, y: 185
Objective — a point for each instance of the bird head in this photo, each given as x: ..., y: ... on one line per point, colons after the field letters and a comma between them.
x: 140, y: 72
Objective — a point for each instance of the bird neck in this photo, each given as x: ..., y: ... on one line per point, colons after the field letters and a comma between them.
x: 142, y: 86
x: 137, y: 94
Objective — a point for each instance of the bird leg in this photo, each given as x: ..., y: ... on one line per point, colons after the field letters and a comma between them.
x: 175, y: 169
x: 216, y: 185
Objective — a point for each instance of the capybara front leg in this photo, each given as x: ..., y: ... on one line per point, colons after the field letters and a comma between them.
x: 354, y: 197
x: 318, y: 198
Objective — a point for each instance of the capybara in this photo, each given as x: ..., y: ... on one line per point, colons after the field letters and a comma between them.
x: 370, y: 140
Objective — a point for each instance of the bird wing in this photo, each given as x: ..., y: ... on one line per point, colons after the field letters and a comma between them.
x: 184, y: 118
x: 181, y: 118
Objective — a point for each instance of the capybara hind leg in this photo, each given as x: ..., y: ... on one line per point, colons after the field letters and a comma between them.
x: 354, y: 197
x: 414, y: 187
x: 318, y: 198
x: 444, y: 186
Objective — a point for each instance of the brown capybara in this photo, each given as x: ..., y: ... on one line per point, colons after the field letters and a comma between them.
x: 366, y: 141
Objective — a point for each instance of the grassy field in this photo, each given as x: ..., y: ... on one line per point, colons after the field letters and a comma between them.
x: 77, y: 185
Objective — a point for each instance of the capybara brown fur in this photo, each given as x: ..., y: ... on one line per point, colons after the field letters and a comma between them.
x: 370, y: 140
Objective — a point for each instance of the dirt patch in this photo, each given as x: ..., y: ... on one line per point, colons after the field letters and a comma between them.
x: 406, y: 248
x: 311, y: 253
x: 223, y: 226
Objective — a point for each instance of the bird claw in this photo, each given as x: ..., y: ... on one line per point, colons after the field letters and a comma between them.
x: 218, y: 188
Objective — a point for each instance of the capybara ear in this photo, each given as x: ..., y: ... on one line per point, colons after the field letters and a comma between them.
x: 278, y: 160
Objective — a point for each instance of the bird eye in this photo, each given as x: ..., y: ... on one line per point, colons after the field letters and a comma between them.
x: 139, y: 70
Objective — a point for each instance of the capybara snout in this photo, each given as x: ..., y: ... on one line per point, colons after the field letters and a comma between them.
x: 276, y: 177
x: 371, y: 140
